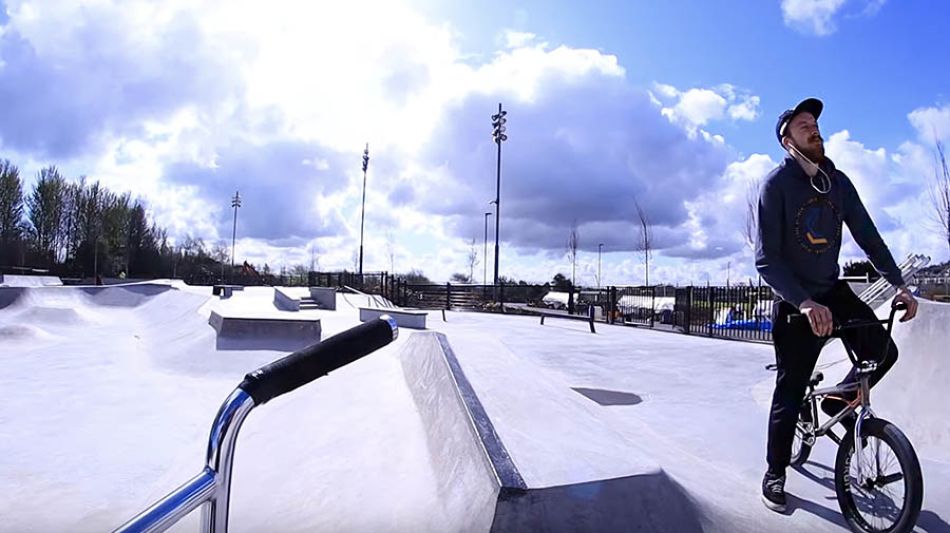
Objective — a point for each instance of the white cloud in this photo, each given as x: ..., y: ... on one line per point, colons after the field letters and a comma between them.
x: 279, y: 103
x: 893, y: 187
x: 873, y: 6
x: 747, y: 109
x: 815, y: 16
x: 931, y: 123
x: 818, y: 17
x: 697, y: 107
x: 518, y: 39
x: 717, y: 217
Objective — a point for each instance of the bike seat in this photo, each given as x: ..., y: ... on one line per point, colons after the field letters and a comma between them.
x: 816, y: 378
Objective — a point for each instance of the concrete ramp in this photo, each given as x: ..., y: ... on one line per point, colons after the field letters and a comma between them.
x: 15, y: 280
x: 481, y: 484
x: 246, y: 331
x: 913, y: 394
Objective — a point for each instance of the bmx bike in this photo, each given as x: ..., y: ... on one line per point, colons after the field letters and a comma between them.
x: 878, y: 481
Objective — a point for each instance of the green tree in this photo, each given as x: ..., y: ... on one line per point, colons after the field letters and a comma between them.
x: 861, y: 268
x: 561, y: 283
x: 416, y: 277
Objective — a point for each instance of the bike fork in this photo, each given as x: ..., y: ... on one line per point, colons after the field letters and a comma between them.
x: 866, y: 412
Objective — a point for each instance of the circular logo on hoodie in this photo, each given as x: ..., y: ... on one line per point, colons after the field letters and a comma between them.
x: 818, y: 225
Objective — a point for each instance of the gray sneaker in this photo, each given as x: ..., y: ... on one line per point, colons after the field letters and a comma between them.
x: 773, y: 492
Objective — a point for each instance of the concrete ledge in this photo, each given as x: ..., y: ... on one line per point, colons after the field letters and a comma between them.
x: 325, y: 297
x: 472, y: 463
x: 19, y: 280
x: 225, y: 291
x: 265, y: 333
x: 404, y: 318
x: 467, y: 479
x: 284, y: 301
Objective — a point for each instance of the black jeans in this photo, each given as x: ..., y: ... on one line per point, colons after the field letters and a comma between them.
x: 796, y: 352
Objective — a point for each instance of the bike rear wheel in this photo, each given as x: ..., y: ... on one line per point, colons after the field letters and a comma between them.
x: 887, y: 494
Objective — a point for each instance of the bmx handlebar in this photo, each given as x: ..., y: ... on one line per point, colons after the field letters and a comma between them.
x: 312, y: 362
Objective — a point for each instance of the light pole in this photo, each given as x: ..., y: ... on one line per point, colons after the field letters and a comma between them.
x: 363, y: 215
x: 485, y: 256
x: 235, y: 203
x: 498, y: 134
x: 600, y: 247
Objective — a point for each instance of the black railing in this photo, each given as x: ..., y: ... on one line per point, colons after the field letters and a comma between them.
x: 371, y: 282
x: 636, y: 305
x: 735, y: 312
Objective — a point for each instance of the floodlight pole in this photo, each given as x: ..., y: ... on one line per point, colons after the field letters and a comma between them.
x: 363, y: 215
x: 498, y: 133
x: 235, y: 203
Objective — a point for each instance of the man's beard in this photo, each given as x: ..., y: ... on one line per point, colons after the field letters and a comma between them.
x: 814, y: 150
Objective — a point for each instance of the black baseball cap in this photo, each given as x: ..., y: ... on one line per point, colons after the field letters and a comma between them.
x: 810, y: 105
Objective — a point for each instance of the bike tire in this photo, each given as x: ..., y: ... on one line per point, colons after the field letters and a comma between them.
x: 912, y: 480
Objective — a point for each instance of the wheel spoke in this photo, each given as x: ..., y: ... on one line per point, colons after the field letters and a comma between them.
x: 877, y: 497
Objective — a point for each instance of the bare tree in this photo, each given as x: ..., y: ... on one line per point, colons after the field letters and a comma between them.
x: 573, y: 242
x: 644, y: 245
x: 11, y: 210
x: 221, y: 252
x: 472, y: 260
x: 46, y: 205
x: 314, y: 260
x: 391, y: 251
x: 751, y: 212
x: 940, y: 194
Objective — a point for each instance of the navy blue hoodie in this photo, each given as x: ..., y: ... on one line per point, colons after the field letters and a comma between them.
x: 799, y: 232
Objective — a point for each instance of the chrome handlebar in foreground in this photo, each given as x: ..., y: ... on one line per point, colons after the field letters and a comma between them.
x: 213, y: 485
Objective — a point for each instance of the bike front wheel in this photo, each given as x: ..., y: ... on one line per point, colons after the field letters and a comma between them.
x: 885, y: 493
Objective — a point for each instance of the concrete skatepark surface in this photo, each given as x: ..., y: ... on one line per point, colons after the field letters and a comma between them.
x: 110, y: 393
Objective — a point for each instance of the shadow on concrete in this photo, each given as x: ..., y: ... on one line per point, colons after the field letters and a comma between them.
x: 609, y: 397
x: 262, y: 343
x: 929, y: 521
x: 648, y: 503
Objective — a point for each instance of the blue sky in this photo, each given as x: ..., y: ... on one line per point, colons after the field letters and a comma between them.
x: 872, y: 71
x: 671, y: 105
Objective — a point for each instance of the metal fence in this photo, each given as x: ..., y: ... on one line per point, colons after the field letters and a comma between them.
x: 467, y: 296
x: 739, y: 312
x: 372, y: 282
x: 636, y: 305
x: 734, y: 312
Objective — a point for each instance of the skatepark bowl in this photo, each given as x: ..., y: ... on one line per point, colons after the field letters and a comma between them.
x: 478, y: 423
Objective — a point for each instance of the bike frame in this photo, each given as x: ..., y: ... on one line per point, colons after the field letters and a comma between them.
x: 862, y: 387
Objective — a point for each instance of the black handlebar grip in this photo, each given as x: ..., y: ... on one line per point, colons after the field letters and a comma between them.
x: 900, y: 306
x: 312, y: 362
x: 796, y: 317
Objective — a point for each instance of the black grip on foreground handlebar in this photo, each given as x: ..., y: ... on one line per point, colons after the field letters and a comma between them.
x: 312, y: 362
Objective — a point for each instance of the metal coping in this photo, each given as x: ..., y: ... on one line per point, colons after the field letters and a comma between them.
x: 508, y: 475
